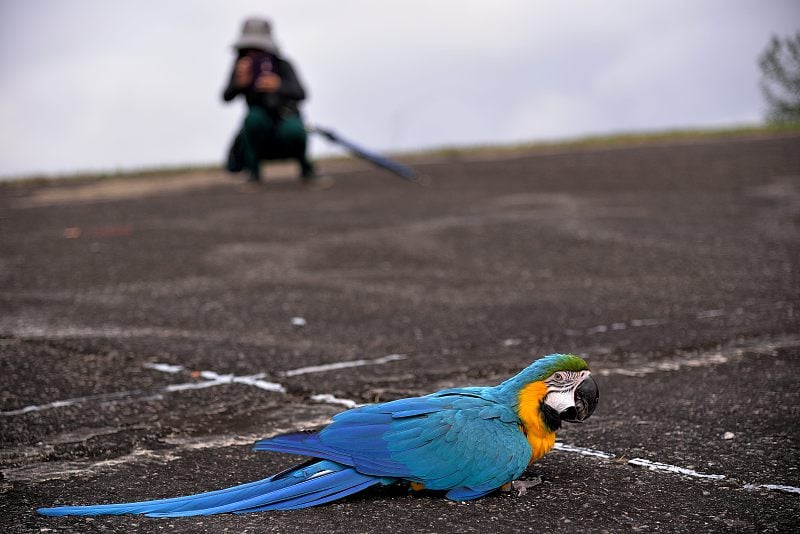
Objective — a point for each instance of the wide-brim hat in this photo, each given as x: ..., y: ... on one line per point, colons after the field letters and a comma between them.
x: 257, y: 33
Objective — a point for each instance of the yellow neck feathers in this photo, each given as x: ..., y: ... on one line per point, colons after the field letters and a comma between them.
x: 539, y: 436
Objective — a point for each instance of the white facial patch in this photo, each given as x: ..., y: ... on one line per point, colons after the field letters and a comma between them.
x: 561, y: 389
x: 560, y: 401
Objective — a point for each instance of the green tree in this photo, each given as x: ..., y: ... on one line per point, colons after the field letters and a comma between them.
x: 780, y: 79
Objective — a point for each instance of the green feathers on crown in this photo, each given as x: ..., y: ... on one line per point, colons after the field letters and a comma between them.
x: 541, y: 369
x: 561, y: 362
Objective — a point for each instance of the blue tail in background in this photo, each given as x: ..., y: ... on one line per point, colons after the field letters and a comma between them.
x: 306, y: 485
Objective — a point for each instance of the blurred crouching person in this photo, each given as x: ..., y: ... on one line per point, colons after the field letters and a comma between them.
x: 273, y: 128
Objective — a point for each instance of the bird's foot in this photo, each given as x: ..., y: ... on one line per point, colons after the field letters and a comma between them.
x: 522, y: 486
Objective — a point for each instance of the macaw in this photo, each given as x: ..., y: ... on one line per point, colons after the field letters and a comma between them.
x: 467, y: 441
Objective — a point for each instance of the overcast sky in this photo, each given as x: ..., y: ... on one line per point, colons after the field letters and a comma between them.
x: 105, y: 84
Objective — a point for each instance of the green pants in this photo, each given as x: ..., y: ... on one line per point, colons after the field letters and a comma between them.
x: 264, y: 137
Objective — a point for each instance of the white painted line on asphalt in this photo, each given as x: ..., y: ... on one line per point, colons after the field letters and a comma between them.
x: 658, y: 466
x: 343, y: 365
x: 222, y: 380
x: 164, y: 367
x: 647, y: 322
x: 703, y: 359
x: 668, y: 468
x: 71, y: 402
x: 641, y: 462
x: 195, y: 385
x: 637, y: 323
x: 252, y: 380
x: 707, y: 359
x: 327, y: 398
x: 211, y: 379
x: 603, y: 328
x: 59, y: 469
x: 65, y: 469
x: 40, y: 407
x: 709, y: 314
x: 582, y: 450
x: 220, y: 441
x: 773, y: 487
x: 60, y: 332
x: 215, y: 379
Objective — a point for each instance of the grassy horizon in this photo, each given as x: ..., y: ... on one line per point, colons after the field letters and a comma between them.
x: 575, y: 142
x: 614, y: 139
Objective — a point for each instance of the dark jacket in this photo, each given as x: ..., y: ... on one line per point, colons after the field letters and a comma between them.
x: 284, y: 101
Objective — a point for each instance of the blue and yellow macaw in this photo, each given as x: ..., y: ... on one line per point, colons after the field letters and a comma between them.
x: 467, y: 441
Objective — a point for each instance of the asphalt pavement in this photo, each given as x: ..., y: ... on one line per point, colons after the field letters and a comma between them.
x: 152, y: 328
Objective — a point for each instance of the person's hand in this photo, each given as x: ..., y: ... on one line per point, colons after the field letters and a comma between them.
x: 243, y: 72
x: 268, y: 82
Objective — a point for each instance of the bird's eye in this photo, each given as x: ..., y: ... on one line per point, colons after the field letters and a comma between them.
x: 558, y: 376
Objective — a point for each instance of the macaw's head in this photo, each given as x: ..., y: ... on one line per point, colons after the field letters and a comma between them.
x: 571, y: 396
x: 555, y: 388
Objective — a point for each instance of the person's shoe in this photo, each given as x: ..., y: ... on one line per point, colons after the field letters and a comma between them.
x: 234, y: 166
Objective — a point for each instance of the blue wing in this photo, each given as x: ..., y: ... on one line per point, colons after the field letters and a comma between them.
x: 452, y: 440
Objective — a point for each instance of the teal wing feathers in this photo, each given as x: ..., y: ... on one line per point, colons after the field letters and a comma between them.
x: 453, y: 440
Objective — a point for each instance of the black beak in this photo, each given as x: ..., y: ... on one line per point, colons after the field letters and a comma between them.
x: 586, y: 397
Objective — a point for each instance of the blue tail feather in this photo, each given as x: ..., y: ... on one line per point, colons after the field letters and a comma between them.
x: 175, y: 503
x: 307, y: 485
x: 324, y: 489
x: 322, y: 497
x: 297, y: 495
